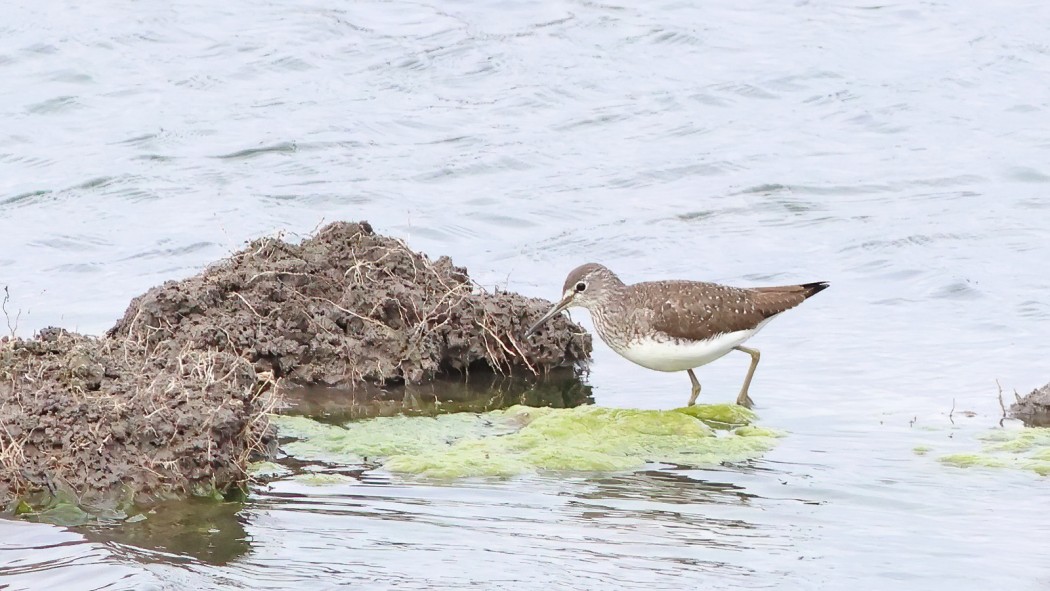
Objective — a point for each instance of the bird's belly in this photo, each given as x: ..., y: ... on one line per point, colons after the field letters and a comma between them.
x: 671, y: 355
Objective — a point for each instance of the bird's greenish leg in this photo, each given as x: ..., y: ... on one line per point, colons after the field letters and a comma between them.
x: 696, y: 388
x: 743, y: 399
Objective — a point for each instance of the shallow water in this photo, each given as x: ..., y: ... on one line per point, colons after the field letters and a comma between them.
x: 898, y: 151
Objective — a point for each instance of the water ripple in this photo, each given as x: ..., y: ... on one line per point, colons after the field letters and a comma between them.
x: 280, y: 148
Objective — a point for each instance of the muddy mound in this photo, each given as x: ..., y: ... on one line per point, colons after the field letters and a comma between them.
x: 113, y: 424
x: 1034, y: 408
x: 175, y: 399
x: 349, y: 306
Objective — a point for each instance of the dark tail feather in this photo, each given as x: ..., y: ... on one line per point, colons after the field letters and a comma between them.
x: 812, y: 289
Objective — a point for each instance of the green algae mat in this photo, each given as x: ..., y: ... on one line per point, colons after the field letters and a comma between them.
x: 521, y: 440
x: 1023, y: 449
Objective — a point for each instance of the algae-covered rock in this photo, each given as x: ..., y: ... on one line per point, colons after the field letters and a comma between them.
x: 756, y: 431
x: 720, y: 414
x: 1021, y: 449
x: 65, y: 514
x: 383, y: 436
x: 265, y: 469
x: 526, y: 439
x: 322, y: 479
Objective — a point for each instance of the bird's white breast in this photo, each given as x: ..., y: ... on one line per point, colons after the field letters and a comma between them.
x: 672, y: 355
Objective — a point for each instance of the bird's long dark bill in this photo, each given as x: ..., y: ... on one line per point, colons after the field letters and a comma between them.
x: 551, y: 314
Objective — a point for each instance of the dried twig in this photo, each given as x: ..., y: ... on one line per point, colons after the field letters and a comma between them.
x: 524, y: 358
x: 1002, y: 405
x: 250, y: 307
x: 12, y: 328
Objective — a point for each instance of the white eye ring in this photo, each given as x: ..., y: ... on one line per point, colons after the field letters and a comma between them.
x: 580, y: 287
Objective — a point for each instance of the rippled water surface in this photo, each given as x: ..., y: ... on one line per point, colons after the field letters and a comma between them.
x: 900, y: 151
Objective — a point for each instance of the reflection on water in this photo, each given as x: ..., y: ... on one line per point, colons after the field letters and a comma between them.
x: 195, y: 530
x: 482, y: 392
x: 675, y: 503
x: 608, y: 538
x: 666, y: 487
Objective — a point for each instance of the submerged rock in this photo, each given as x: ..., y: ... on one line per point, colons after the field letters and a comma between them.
x: 175, y: 399
x: 1033, y: 409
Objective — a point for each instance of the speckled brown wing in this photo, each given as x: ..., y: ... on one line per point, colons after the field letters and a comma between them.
x: 698, y: 311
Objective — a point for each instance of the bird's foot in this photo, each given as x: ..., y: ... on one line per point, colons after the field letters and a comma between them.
x: 745, y: 401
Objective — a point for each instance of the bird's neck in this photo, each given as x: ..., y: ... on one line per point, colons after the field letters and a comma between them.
x: 605, y: 312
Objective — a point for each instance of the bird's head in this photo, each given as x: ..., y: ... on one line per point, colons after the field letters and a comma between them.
x: 586, y: 286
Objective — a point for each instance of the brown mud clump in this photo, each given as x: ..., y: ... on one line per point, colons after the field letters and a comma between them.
x: 175, y: 399
x: 1034, y: 408
x: 109, y: 424
x: 348, y: 306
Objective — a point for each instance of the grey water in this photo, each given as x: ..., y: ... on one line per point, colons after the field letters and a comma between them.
x: 900, y: 151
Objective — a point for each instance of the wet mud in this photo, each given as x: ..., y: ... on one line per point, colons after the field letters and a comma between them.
x: 106, y: 424
x: 1034, y: 408
x: 349, y: 306
x: 175, y: 399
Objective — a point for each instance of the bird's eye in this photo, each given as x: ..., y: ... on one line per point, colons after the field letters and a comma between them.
x: 580, y: 287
